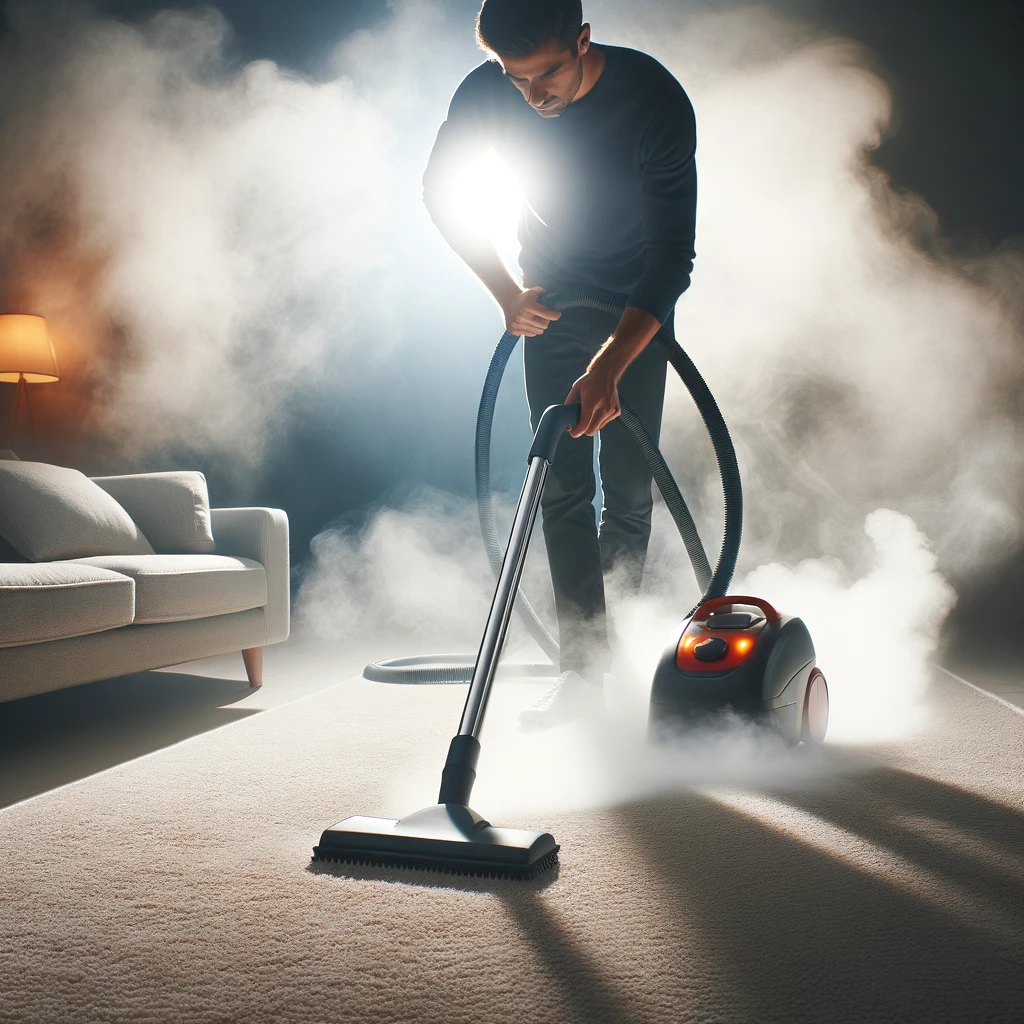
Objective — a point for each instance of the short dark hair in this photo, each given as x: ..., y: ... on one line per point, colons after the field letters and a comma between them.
x: 517, y: 28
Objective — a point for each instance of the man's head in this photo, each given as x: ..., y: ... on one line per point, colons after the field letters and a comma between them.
x: 541, y: 45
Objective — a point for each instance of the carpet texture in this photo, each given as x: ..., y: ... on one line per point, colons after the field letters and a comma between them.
x: 854, y: 885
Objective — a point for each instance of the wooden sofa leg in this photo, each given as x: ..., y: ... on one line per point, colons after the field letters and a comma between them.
x: 253, y: 658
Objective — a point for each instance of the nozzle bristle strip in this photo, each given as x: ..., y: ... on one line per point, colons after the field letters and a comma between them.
x: 546, y: 862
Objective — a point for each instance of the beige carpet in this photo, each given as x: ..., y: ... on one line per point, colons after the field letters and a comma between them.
x: 734, y: 882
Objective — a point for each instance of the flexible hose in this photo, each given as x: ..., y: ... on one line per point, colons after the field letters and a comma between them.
x: 459, y: 667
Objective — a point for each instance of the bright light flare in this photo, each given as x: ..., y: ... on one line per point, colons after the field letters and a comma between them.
x: 488, y: 199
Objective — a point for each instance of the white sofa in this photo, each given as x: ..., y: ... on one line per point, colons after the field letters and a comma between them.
x: 149, y: 576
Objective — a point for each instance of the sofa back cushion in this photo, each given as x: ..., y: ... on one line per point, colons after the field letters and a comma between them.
x: 171, y: 509
x: 49, y: 512
x: 7, y: 553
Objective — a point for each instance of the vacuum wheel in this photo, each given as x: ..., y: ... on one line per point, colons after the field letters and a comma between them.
x: 815, y: 718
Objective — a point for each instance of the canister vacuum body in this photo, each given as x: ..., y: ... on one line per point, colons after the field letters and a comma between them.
x: 739, y: 653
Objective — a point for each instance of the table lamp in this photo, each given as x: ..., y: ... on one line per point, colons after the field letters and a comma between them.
x: 26, y: 357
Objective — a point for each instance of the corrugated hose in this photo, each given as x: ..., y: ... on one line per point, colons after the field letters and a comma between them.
x: 458, y: 668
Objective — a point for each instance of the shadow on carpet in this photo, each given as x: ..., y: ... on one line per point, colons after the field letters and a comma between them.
x: 55, y: 738
x: 900, y: 899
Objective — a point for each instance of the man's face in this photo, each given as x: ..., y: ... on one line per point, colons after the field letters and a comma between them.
x: 550, y: 77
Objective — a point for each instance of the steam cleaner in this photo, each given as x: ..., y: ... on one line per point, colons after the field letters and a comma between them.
x: 733, y: 652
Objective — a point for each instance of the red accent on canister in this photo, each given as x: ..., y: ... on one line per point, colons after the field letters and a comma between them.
x: 741, y: 641
x: 715, y: 603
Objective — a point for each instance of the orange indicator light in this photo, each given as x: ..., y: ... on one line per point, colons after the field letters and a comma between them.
x: 743, y: 646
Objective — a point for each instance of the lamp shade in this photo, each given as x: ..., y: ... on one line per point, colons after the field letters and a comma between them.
x: 25, y: 349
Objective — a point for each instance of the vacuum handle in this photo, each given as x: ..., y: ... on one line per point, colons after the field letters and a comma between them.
x: 553, y: 422
x: 773, y: 617
x: 504, y: 597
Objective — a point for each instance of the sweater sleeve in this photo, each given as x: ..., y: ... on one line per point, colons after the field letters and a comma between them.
x: 668, y: 175
x: 460, y: 139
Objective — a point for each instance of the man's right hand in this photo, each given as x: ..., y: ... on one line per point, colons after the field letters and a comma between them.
x: 526, y: 315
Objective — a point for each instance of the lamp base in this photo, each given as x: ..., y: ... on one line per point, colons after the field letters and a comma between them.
x: 16, y: 427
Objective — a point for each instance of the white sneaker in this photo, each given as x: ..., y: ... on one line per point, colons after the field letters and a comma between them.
x: 571, y: 697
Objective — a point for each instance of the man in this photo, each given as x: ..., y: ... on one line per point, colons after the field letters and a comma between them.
x: 602, y: 140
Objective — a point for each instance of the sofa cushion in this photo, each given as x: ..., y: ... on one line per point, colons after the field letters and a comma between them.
x: 57, y: 600
x: 7, y: 553
x: 51, y: 512
x: 170, y: 588
x: 171, y: 509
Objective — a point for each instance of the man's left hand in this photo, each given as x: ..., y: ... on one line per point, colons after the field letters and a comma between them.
x: 597, y: 391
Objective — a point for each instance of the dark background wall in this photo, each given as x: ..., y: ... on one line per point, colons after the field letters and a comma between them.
x: 958, y: 82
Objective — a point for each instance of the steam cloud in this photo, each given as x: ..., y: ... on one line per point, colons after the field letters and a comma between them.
x: 208, y: 239
x: 419, y: 575
x: 196, y: 233
x: 857, y: 365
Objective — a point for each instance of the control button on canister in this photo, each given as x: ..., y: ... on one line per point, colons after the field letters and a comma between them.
x: 711, y: 649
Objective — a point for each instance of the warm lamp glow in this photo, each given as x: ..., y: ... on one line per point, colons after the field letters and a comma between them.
x: 25, y: 350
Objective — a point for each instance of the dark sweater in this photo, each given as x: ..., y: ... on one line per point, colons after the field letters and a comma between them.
x: 610, y: 185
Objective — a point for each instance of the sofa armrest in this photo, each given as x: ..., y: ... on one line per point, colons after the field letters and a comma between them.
x: 260, y: 534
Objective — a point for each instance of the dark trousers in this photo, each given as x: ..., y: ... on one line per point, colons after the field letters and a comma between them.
x: 579, y: 551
